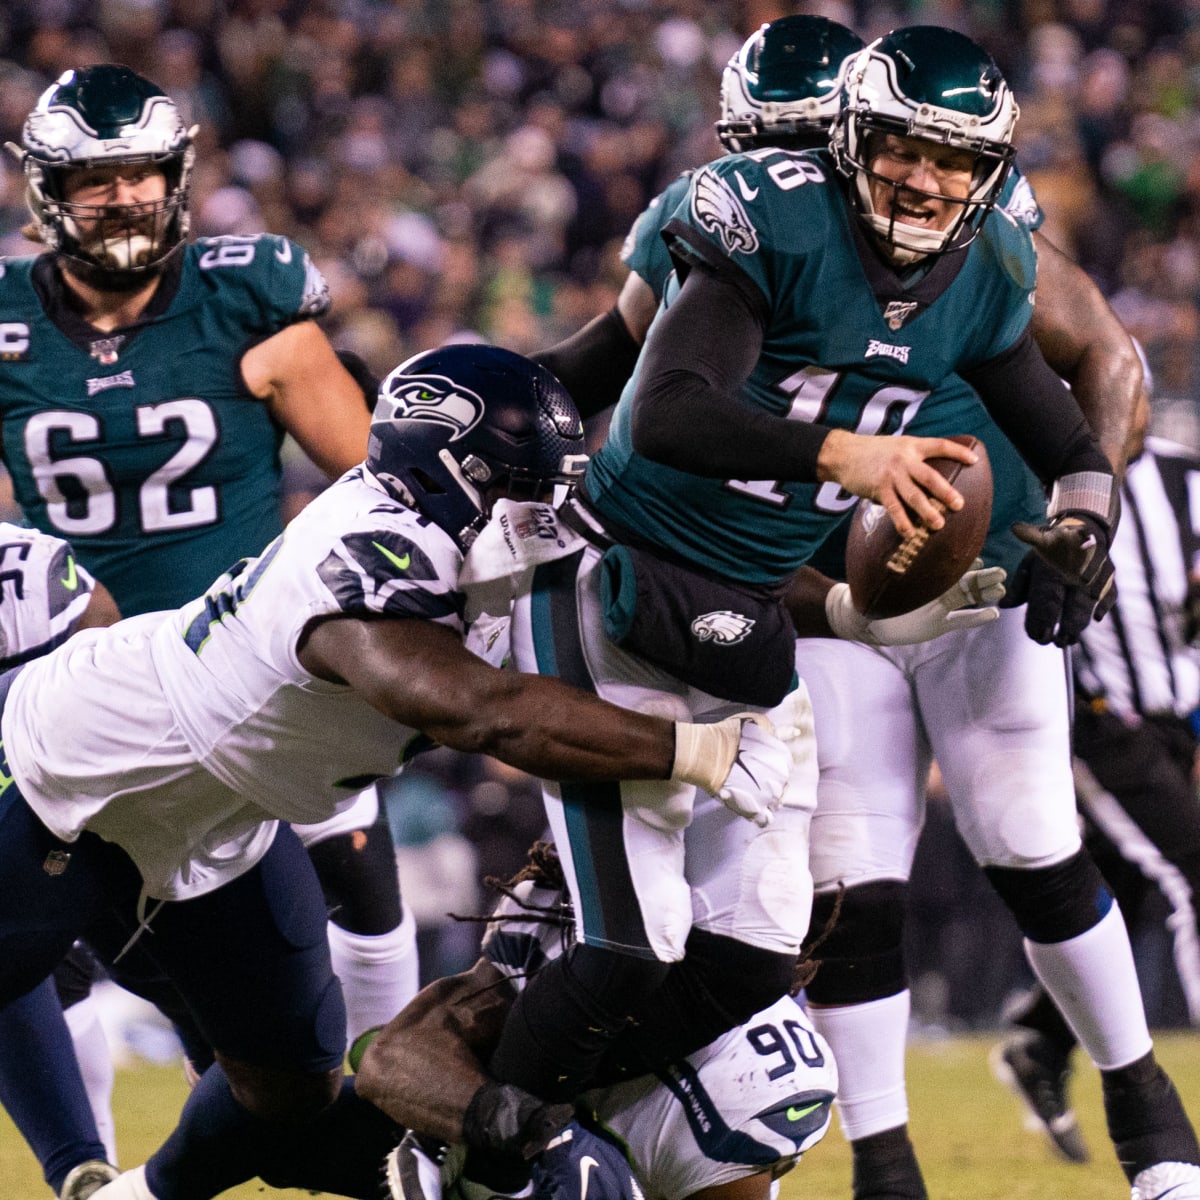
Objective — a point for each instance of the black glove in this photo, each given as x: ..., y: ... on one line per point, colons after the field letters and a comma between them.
x: 1056, y: 612
x: 1076, y: 546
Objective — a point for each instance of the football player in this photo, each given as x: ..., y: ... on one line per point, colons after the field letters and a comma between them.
x: 913, y: 219
x: 742, y: 1110
x: 324, y: 661
x: 683, y: 506
x: 145, y: 387
x: 1137, y: 680
x: 1079, y: 336
x: 47, y: 597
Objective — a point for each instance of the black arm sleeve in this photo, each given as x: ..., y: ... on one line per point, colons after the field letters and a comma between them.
x: 595, y: 363
x: 687, y: 412
x: 1037, y: 413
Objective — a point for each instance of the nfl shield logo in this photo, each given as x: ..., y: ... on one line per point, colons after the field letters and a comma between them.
x: 106, y: 350
x: 56, y: 862
x: 898, y: 311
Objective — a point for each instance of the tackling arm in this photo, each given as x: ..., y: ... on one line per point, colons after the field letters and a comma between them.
x: 420, y: 674
x: 311, y: 394
x: 1081, y: 338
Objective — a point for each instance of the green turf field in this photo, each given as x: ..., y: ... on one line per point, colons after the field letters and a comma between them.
x: 967, y: 1128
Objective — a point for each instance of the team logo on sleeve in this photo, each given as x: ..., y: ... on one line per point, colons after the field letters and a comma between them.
x: 719, y: 212
x: 436, y: 398
x: 314, y: 301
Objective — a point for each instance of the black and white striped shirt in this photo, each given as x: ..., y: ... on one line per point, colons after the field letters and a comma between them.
x: 1136, y: 658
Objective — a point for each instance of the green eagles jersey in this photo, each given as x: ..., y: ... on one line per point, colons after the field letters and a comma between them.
x: 1019, y: 495
x: 143, y: 447
x: 842, y: 346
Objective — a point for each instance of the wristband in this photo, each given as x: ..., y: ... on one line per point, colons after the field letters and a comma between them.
x: 1090, y: 492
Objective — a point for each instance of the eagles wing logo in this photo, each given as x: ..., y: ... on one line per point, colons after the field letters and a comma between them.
x: 436, y: 398
x: 723, y: 627
x: 718, y: 211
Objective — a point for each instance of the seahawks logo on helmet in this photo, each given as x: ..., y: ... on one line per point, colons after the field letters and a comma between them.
x: 723, y: 628
x: 719, y: 212
x: 436, y: 398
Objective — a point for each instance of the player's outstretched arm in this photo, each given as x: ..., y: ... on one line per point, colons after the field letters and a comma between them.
x: 1081, y: 338
x: 420, y: 674
x: 310, y: 394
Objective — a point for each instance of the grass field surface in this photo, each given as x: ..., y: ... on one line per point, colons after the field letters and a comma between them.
x: 967, y: 1129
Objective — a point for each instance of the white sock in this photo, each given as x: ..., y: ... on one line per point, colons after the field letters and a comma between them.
x: 378, y: 974
x: 868, y: 1042
x: 1093, y: 981
x: 96, y: 1065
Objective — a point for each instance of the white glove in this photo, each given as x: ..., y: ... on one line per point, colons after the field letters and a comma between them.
x: 739, y: 760
x: 968, y: 602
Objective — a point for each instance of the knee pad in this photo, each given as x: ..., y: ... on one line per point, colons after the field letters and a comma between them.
x: 357, y: 871
x: 861, y: 958
x: 1054, y: 904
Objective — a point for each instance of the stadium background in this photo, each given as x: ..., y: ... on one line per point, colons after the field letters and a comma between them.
x: 469, y: 170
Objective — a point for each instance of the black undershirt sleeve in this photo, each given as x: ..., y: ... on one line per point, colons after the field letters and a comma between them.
x: 687, y: 410
x: 595, y: 363
x: 1036, y: 412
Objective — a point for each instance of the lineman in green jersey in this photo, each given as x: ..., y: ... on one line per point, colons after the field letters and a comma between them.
x: 146, y: 385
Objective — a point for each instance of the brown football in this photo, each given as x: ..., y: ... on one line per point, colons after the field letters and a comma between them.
x: 889, y: 576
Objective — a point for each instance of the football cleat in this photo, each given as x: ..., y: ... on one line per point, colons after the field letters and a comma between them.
x: 85, y: 1180
x: 1037, y: 1073
x: 413, y: 1170
x: 1167, y: 1181
x: 129, y: 1185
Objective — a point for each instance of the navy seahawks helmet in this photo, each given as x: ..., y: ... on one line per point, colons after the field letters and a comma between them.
x: 935, y: 84
x: 783, y: 87
x: 457, y: 428
x: 97, y: 117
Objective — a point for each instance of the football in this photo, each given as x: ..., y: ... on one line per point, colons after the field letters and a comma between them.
x: 889, y: 575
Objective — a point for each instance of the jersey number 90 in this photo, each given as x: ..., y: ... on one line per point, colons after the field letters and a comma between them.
x: 79, y: 495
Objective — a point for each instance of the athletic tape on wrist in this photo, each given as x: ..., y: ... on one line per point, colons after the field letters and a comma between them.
x: 1092, y: 492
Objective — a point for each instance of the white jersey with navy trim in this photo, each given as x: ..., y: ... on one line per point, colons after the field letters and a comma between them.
x: 191, y: 729
x: 43, y: 592
x: 753, y: 1100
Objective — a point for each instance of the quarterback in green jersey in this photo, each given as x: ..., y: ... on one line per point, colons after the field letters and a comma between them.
x: 913, y: 222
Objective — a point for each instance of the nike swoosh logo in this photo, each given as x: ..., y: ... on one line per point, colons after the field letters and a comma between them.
x: 586, y: 1163
x: 798, y: 1114
x: 284, y: 252
x: 401, y: 564
x: 71, y: 582
x: 748, y: 193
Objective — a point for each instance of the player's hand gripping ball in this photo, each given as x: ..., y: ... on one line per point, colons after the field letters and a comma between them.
x: 889, y: 575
